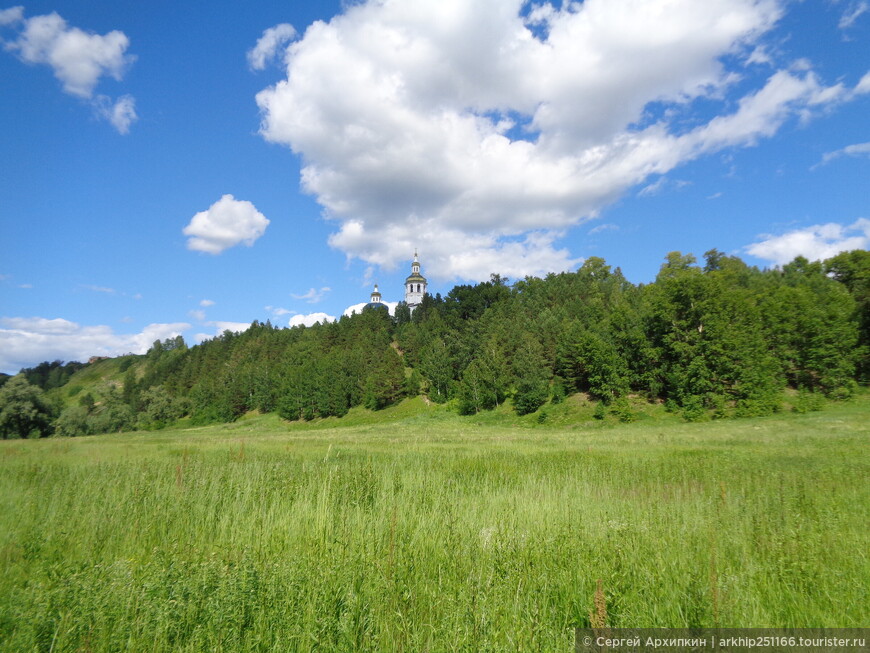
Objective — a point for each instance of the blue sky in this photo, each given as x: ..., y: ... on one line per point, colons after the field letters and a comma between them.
x: 188, y: 167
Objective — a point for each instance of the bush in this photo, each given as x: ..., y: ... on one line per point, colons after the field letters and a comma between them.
x: 693, y: 409
x: 24, y: 410
x: 600, y: 411
x: 807, y: 401
x: 73, y: 421
x: 557, y: 391
x: 622, y: 410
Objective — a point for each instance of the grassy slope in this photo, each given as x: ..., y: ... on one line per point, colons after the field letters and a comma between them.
x: 414, y: 528
x: 95, y: 378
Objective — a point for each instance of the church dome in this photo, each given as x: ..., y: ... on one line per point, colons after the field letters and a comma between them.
x: 375, y: 301
x: 416, y: 277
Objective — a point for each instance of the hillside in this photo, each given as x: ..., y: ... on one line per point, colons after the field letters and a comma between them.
x: 702, y: 342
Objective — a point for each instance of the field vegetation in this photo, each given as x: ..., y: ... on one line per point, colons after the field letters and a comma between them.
x: 413, y: 528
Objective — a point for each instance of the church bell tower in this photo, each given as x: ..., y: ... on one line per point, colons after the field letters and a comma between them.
x: 415, y: 285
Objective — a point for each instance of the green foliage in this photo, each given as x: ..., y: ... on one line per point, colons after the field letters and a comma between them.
x: 557, y: 390
x: 159, y: 408
x: 806, y: 402
x: 48, y: 376
x: 484, y: 384
x: 593, y: 364
x: 413, y: 383
x: 852, y: 269
x: 73, y: 421
x: 600, y: 411
x: 436, y: 366
x: 112, y: 414
x: 532, y: 376
x: 24, y: 410
x: 722, y: 340
x: 87, y: 401
x: 622, y: 410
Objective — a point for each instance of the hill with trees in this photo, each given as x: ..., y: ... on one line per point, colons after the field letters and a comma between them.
x: 720, y: 339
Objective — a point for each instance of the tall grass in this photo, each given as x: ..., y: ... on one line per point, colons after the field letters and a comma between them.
x: 430, y: 534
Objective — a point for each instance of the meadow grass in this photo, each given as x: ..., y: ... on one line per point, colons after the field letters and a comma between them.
x: 419, y: 530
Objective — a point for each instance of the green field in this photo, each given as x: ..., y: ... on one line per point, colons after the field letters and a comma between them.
x: 419, y: 530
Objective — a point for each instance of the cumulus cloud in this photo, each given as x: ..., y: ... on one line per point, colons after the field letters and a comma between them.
x: 226, y: 223
x: 313, y: 295
x: 815, y: 243
x: 858, y: 149
x: 205, y: 303
x: 418, y: 128
x: 79, y: 59
x: 310, y: 319
x: 268, y: 45
x: 27, y: 341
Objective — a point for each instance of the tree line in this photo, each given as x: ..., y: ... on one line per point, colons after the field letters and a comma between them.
x: 716, y: 339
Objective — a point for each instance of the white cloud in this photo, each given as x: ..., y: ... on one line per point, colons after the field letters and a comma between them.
x: 453, y: 252
x: 418, y: 128
x: 358, y: 308
x: 197, y: 314
x: 313, y: 295
x: 815, y: 243
x: 602, y: 228
x: 760, y: 56
x: 101, y: 289
x: 310, y: 319
x: 11, y: 16
x: 226, y: 223
x: 268, y: 45
x: 121, y: 113
x: 277, y: 311
x: 79, y: 59
x: 654, y: 188
x: 25, y: 342
x: 858, y: 149
x: 205, y: 303
x: 853, y: 13
x: 220, y: 326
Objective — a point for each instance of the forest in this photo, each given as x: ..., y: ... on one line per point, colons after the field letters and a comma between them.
x: 707, y: 340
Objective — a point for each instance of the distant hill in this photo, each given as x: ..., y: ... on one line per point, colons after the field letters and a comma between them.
x: 713, y: 341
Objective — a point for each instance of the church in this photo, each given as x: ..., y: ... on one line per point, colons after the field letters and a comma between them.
x: 415, y: 289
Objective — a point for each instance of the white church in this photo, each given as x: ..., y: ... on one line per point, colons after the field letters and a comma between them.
x: 415, y: 289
